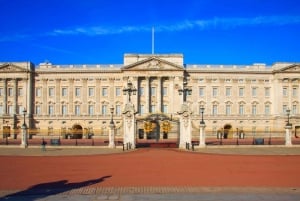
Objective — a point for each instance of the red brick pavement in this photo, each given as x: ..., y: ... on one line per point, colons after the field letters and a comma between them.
x: 150, y: 167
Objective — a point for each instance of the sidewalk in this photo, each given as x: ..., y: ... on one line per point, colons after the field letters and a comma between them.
x: 84, y: 150
x: 162, y: 193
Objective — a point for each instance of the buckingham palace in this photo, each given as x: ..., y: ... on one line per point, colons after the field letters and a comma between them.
x: 81, y: 101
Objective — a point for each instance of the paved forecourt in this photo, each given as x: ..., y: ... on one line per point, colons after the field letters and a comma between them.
x: 150, y: 174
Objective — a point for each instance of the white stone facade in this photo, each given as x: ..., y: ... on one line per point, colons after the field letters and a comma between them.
x: 62, y: 99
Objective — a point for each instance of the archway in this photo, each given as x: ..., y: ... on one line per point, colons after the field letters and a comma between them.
x: 77, y: 131
x: 227, y: 128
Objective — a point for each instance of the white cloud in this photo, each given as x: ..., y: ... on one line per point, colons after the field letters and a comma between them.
x: 214, y: 23
x: 201, y: 24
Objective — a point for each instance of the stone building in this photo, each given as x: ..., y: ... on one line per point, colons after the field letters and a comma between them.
x: 75, y: 100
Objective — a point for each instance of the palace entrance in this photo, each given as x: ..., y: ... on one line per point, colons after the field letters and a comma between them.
x: 77, y: 131
x: 157, y: 130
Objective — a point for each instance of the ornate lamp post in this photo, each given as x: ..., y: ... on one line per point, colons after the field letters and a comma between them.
x: 24, y: 143
x: 202, y: 111
x: 112, y: 128
x: 288, y: 112
x: 112, y: 114
x: 288, y: 130
x: 129, y: 90
x: 185, y: 91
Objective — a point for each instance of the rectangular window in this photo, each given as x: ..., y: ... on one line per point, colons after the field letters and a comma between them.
x: 142, y: 109
x: 38, y: 109
x: 153, y: 91
x: 10, y: 109
x: 267, y: 92
x: 91, y: 109
x: 64, y: 110
x: 201, y: 92
x: 64, y: 92
x: 215, y: 110
x: 10, y: 92
x: 165, y: 109
x: 38, y: 92
x: 241, y: 92
x: 77, y: 91
x: 20, y: 91
x: 153, y: 108
x: 295, y: 92
x: 77, y: 109
x: 118, y: 110
x: 253, y: 109
x: 20, y: 109
x: 294, y: 109
x: 215, y: 92
x: 51, y: 92
x: 118, y: 91
x: 165, y: 91
x: 50, y: 109
x: 284, y: 108
x: 104, y: 110
x: 228, y: 91
x: 141, y: 91
x: 254, y: 91
x: 1, y: 91
x: 228, y: 109
x: 284, y: 91
x: 104, y: 91
x: 241, y: 109
x: 91, y: 91
x: 267, y: 109
x: 1, y: 109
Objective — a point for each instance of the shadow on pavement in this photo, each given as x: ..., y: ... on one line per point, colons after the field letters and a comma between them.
x: 51, y: 188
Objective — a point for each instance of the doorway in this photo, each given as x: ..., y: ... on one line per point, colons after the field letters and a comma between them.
x: 227, y: 128
x: 77, y: 131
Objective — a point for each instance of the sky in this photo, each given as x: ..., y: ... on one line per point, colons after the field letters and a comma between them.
x: 240, y: 32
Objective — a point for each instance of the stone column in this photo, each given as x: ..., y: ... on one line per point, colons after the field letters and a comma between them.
x: 24, y: 139
x: 288, y: 135
x: 202, y: 135
x: 30, y: 99
x: 171, y: 95
x: 129, y: 125
x: 71, y: 96
x: 45, y: 96
x: 5, y: 96
x: 57, y: 97
x: 84, y: 96
x: 159, y: 95
x: 111, y: 136
x: 16, y: 96
x: 147, y: 95
x: 185, y: 126
x: 97, y: 96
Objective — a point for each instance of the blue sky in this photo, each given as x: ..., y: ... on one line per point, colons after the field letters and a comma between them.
x: 102, y: 31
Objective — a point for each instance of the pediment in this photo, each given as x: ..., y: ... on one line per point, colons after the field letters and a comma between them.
x: 11, y: 68
x: 290, y: 69
x: 153, y: 64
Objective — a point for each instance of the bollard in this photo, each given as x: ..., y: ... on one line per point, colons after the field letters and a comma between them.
x: 123, y: 147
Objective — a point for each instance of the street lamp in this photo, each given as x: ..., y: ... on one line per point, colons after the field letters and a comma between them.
x: 129, y: 90
x: 24, y: 142
x: 24, y: 113
x: 288, y: 111
x: 185, y: 91
x: 202, y: 111
x: 112, y: 113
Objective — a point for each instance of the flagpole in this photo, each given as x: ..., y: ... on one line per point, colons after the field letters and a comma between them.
x: 152, y: 40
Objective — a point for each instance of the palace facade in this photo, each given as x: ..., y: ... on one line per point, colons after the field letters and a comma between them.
x: 77, y: 99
